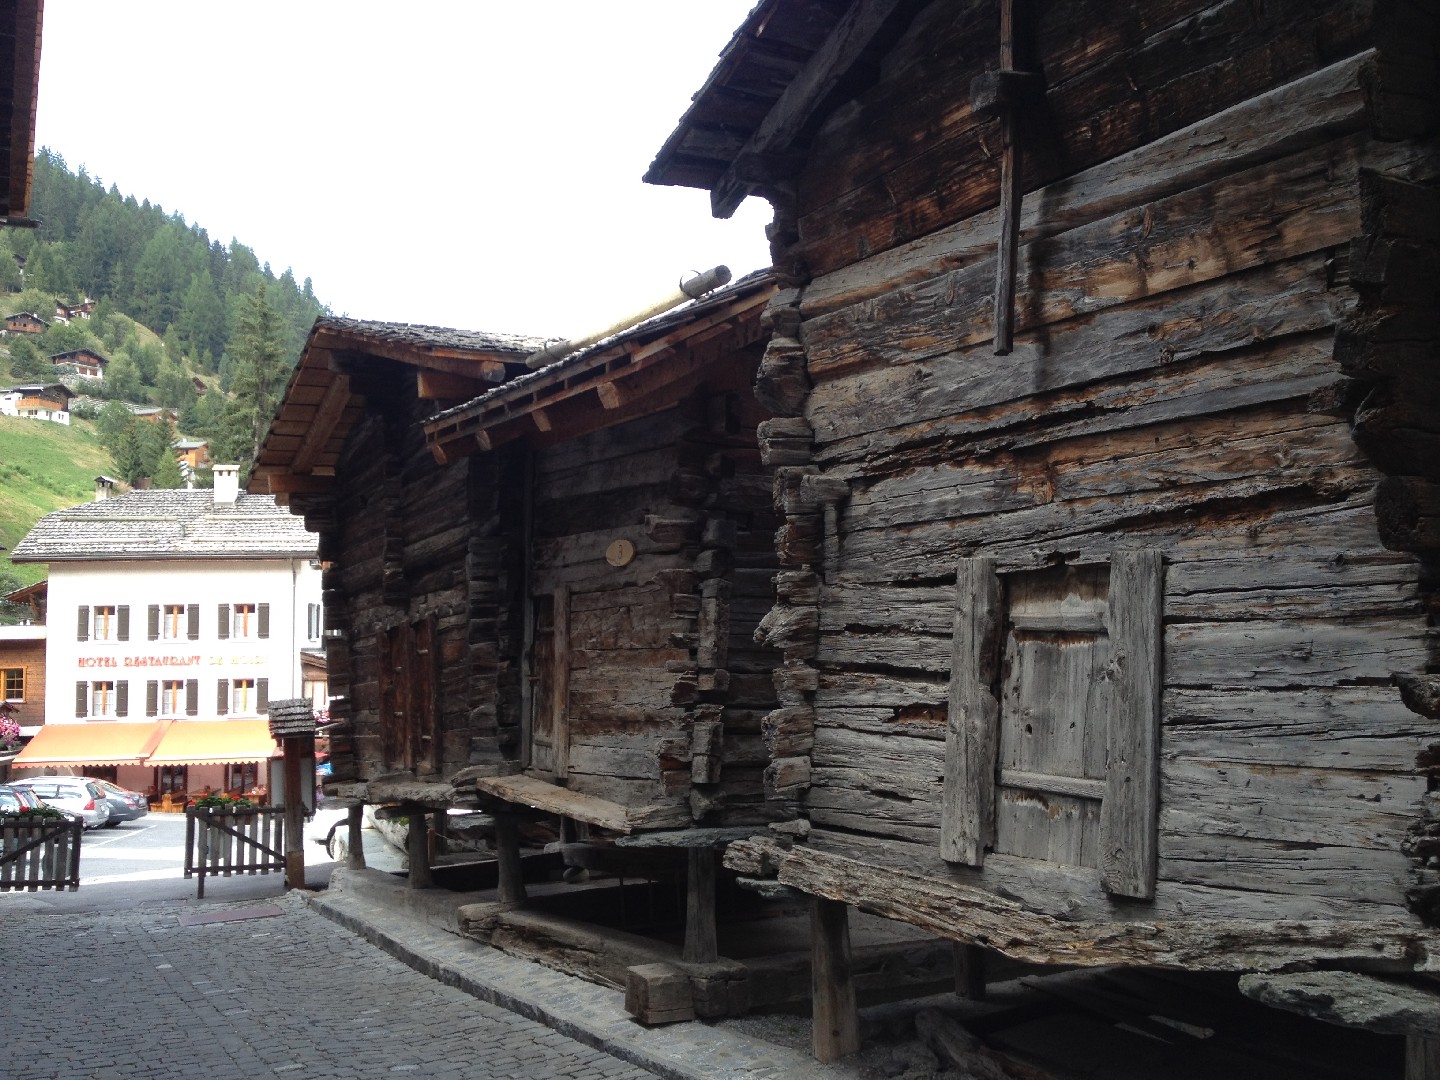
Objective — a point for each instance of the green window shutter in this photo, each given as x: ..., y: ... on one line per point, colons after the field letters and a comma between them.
x: 152, y: 698
x: 222, y: 696
x: 192, y: 697
x: 1129, y: 814
x: 262, y: 695
x: 152, y: 622
x: 223, y: 625
x: 192, y: 618
x: 122, y: 619
x: 122, y: 698
x: 82, y: 700
x: 264, y: 618
x: 82, y: 630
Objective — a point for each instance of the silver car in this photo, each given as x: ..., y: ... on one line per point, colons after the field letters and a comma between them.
x: 73, y: 794
x: 124, y: 805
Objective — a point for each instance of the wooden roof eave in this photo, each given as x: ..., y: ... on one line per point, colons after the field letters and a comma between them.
x: 618, y: 378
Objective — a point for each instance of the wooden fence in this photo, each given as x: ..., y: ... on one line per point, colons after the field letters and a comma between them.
x: 40, y: 854
x: 223, y: 840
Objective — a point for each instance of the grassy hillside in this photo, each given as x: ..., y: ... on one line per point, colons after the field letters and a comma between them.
x: 44, y: 467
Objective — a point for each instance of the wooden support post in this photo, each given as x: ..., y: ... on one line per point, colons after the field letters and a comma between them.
x: 1422, y: 1058
x: 700, y: 943
x: 1009, y: 248
x: 355, y: 844
x: 970, y: 972
x: 511, y: 881
x: 417, y: 846
x: 835, y: 1020
x: 294, y: 750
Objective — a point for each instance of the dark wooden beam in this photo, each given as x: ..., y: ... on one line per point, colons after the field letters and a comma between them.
x: 327, y: 416
x: 795, y: 106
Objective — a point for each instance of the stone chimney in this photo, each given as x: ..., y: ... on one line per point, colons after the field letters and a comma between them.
x: 104, y: 487
x: 227, y: 485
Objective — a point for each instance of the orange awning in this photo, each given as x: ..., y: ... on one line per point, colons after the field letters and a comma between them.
x: 100, y: 743
x: 214, y: 742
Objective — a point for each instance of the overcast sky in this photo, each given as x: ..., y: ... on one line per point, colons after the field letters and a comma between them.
x: 473, y: 164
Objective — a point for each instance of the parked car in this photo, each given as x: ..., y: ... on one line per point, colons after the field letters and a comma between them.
x: 125, y: 805
x: 18, y: 798
x: 73, y: 794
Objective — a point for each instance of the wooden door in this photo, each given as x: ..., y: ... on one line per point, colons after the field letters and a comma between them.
x: 1055, y: 711
x: 550, y: 684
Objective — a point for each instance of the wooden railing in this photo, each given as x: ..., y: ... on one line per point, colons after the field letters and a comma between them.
x: 224, y: 840
x: 40, y: 854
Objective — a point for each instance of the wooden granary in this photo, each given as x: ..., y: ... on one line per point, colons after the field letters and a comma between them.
x: 1106, y: 429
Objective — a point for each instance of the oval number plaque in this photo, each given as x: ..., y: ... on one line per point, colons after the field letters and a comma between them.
x: 619, y: 553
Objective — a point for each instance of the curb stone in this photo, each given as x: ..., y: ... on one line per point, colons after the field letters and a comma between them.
x: 589, y: 1014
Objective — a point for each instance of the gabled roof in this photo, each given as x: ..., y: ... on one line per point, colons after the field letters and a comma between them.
x: 644, y: 369
x: 25, y: 314
x: 318, y: 408
x: 785, y: 67
x: 167, y: 524
x: 39, y: 388
x: 60, y: 357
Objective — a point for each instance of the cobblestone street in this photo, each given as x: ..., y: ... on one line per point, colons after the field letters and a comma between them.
x: 139, y: 994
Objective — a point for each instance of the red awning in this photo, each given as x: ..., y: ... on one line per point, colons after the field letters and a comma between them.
x: 214, y: 742
x: 103, y: 742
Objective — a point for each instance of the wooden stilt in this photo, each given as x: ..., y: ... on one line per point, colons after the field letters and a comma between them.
x: 1422, y: 1058
x: 511, y: 886
x: 417, y: 845
x: 835, y: 1031
x: 700, y: 943
x: 970, y: 972
x: 355, y: 846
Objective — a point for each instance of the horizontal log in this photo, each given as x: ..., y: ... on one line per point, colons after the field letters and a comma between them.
x: 1351, y: 999
x: 974, y: 916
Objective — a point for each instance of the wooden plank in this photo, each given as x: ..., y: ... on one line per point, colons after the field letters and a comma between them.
x: 559, y: 679
x: 967, y: 819
x: 1079, y: 787
x: 835, y: 1020
x: 965, y: 913
x: 542, y: 795
x: 700, y: 941
x: 1128, y: 815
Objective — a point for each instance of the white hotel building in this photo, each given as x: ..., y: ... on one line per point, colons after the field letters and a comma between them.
x: 174, y: 617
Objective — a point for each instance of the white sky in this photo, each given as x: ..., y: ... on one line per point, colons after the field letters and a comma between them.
x: 473, y: 164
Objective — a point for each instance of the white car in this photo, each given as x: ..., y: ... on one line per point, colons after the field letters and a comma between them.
x: 73, y: 794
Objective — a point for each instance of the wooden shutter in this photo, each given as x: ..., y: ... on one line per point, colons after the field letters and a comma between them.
x: 262, y: 695
x: 263, y: 617
x: 967, y: 809
x: 223, y: 625
x: 82, y: 630
x: 192, y: 697
x: 122, y: 698
x: 122, y: 621
x: 152, y: 622
x: 152, y: 698
x: 222, y: 696
x: 192, y: 619
x: 1130, y: 811
x: 82, y: 700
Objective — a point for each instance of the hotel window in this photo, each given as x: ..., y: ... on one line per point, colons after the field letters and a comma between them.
x: 105, y: 622
x: 170, y: 779
x: 14, y: 678
x: 244, y: 697
x: 174, y: 622
x: 102, y: 699
x: 244, y: 621
x: 172, y: 697
x: 314, y: 624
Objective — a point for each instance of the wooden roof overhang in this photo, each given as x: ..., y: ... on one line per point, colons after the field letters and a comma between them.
x: 19, y: 81
x: 785, y: 68
x: 320, y: 404
x: 642, y: 371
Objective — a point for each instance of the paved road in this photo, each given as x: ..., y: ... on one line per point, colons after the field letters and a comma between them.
x: 272, y: 989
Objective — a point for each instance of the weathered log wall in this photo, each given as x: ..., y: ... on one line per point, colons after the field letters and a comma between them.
x: 414, y: 570
x: 1226, y: 338
x: 666, y: 685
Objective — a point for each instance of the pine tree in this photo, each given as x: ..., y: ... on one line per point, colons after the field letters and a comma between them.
x: 27, y: 362
x: 260, y: 372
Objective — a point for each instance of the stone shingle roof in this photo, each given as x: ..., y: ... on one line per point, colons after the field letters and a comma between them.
x: 416, y: 336
x: 167, y: 524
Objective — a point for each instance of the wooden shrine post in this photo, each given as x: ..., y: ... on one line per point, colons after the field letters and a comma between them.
x: 1004, y: 93
x: 292, y: 722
